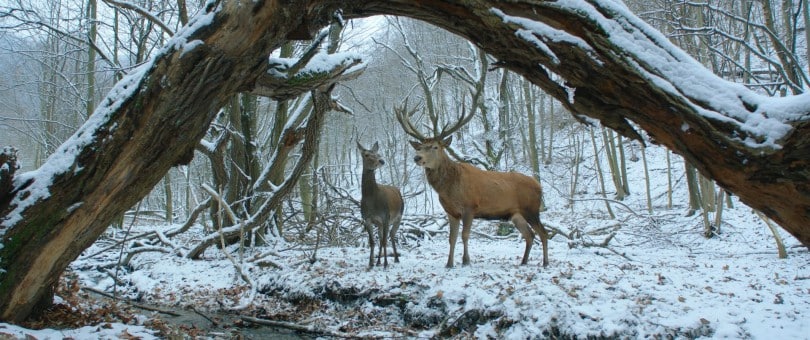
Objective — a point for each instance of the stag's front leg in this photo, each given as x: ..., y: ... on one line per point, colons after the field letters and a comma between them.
x: 453, y: 236
x: 465, y: 237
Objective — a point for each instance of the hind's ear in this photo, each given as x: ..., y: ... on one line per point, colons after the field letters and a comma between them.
x: 376, y: 147
x: 360, y: 146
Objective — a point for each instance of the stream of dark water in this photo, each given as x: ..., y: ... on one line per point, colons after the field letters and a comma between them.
x: 211, y: 324
x: 229, y: 326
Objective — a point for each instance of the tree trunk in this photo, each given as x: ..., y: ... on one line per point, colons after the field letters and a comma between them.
x: 121, y: 152
x: 531, y: 117
x: 167, y: 188
x: 694, y: 189
x: 279, y: 122
x: 611, y: 156
x: 669, y: 180
x: 779, y: 41
x: 600, y: 175
x: 647, y: 180
x: 91, y: 58
x: 806, y: 19
x: 598, y: 60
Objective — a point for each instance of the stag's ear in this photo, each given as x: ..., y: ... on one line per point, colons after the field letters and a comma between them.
x: 376, y: 147
x: 415, y: 144
x: 446, y: 142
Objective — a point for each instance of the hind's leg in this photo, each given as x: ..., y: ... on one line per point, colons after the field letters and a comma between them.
x: 370, y: 230
x: 383, y: 245
x: 393, y: 238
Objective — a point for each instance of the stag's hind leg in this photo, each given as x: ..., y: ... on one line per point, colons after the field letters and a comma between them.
x: 466, y: 221
x: 541, y: 230
x: 523, y: 226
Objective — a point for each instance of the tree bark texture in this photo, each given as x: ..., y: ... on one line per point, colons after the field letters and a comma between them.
x: 143, y: 134
x: 125, y: 151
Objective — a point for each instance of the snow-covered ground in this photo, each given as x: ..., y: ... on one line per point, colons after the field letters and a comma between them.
x: 657, y: 277
x: 105, y: 331
x: 653, y: 287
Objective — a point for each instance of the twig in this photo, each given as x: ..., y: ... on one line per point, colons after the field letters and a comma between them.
x: 607, y: 200
x: 604, y: 245
x: 118, y: 243
x: 136, y: 305
x: 189, y: 222
x: 237, y: 265
x: 112, y: 276
x: 191, y: 218
x: 297, y: 327
x: 444, y: 327
x: 142, y: 11
x: 780, y: 246
x: 204, y: 316
x: 262, y: 260
x: 121, y: 252
x: 131, y: 252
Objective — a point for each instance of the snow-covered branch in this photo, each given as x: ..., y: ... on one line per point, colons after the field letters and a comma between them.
x: 142, y: 11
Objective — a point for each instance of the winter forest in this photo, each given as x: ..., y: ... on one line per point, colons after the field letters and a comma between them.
x: 207, y: 169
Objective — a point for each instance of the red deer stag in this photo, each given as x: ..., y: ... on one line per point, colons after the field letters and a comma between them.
x: 380, y: 206
x: 466, y: 192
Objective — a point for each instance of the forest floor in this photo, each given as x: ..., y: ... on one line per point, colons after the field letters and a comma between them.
x: 656, y: 277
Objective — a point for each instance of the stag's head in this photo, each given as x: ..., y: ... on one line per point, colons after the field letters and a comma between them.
x: 371, y: 157
x: 430, y: 151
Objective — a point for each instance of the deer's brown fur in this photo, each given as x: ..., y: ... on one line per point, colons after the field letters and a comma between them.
x: 380, y: 206
x: 466, y: 192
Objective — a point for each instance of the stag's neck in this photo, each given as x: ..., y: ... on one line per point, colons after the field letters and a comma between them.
x: 369, y: 183
x: 444, y: 176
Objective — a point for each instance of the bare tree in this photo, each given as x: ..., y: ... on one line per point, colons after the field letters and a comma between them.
x: 119, y: 154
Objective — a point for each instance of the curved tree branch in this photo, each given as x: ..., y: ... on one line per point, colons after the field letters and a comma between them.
x: 602, y: 62
x: 142, y: 11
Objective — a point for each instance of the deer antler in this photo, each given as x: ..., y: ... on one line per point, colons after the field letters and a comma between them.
x: 463, y: 119
x: 404, y: 118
